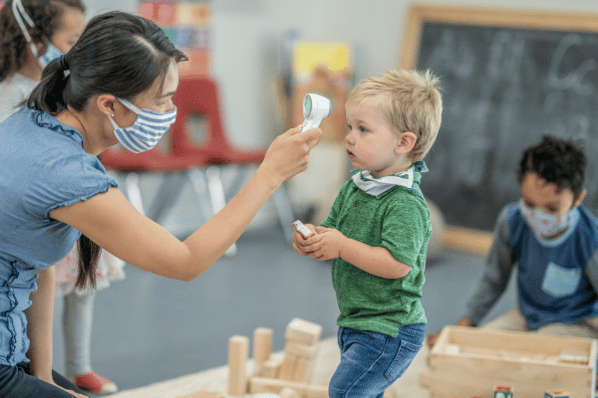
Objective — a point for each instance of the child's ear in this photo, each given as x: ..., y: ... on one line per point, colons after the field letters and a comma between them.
x: 407, y: 141
x: 580, y: 198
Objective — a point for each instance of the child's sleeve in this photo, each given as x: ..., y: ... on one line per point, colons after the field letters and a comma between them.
x: 497, y: 272
x: 406, y: 229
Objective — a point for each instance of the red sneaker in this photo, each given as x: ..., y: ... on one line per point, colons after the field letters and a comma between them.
x: 95, y: 383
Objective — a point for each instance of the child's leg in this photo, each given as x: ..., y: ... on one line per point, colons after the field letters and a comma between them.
x: 77, y: 321
x: 372, y: 361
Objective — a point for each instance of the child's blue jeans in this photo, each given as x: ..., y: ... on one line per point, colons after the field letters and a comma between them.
x: 372, y: 361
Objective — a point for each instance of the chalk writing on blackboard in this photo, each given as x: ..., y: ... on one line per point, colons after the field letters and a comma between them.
x: 503, y: 89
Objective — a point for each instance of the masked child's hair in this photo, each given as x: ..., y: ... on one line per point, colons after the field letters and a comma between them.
x: 47, y: 17
x: 411, y: 101
x: 557, y: 161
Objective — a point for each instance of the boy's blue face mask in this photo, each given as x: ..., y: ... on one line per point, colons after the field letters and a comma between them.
x: 21, y: 16
x: 545, y: 224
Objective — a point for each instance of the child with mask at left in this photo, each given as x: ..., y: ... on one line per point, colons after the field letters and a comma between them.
x: 33, y: 33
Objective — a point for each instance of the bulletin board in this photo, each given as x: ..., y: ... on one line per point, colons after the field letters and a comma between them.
x: 187, y: 25
x: 323, y: 68
x: 508, y: 78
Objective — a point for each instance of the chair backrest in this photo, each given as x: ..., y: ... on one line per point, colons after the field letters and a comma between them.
x: 198, y: 96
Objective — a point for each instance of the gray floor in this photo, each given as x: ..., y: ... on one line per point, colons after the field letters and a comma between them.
x: 149, y: 329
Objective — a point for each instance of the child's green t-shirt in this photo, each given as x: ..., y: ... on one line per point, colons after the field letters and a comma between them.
x: 399, y: 220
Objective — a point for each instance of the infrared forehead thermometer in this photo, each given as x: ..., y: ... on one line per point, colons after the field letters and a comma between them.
x: 315, y: 108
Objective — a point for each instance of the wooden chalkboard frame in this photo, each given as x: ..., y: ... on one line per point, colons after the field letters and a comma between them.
x: 464, y: 238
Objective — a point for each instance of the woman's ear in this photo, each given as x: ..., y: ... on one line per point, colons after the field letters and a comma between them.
x: 105, y: 103
x: 407, y: 141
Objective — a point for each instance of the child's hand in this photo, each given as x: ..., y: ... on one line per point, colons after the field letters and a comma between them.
x: 299, y: 242
x: 326, y: 245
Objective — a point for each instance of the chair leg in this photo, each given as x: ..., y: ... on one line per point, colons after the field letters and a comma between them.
x: 171, y: 185
x: 216, y: 191
x: 284, y: 210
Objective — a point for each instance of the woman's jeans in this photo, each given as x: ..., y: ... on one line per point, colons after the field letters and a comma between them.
x: 16, y: 382
x: 372, y: 361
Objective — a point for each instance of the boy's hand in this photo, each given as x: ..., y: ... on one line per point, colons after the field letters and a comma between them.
x: 326, y: 245
x: 299, y: 242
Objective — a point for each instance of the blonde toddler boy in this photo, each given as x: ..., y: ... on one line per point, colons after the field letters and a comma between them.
x: 378, y: 229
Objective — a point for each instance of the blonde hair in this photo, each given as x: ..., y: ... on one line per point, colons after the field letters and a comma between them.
x: 411, y: 101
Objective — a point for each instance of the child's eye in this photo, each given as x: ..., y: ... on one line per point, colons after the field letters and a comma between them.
x: 363, y: 129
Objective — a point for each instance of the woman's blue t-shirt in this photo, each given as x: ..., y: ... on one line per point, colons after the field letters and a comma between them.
x: 44, y: 167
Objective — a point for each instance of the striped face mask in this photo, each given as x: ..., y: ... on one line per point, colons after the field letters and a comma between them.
x: 147, y: 130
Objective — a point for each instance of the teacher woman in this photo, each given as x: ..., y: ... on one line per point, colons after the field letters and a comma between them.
x: 115, y: 85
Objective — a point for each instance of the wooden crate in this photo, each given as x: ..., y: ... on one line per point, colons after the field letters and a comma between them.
x: 471, y: 361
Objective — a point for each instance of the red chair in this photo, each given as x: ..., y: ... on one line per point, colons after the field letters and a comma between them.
x: 199, y: 96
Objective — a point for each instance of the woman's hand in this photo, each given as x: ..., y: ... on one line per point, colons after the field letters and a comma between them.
x: 289, y: 152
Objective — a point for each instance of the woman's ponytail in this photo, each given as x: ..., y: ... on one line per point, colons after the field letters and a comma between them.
x: 48, y: 95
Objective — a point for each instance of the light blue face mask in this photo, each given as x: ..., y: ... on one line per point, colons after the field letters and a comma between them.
x: 51, y: 53
x: 546, y: 224
x: 147, y: 130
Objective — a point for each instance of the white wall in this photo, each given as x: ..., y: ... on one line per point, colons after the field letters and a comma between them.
x: 245, y: 49
x: 247, y: 33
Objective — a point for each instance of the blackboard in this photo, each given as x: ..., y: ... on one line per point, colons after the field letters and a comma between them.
x: 507, y: 79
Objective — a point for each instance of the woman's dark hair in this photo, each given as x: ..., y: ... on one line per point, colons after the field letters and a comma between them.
x: 47, y: 17
x: 556, y: 161
x: 119, y: 54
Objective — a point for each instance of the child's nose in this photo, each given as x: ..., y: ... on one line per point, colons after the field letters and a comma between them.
x: 349, y: 138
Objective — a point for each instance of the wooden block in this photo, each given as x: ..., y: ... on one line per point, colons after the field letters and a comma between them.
x: 262, y: 347
x: 271, y: 368
x: 289, y: 393
x: 262, y: 384
x: 203, y: 394
x: 301, y: 350
x: 314, y: 391
x: 503, y: 392
x: 303, y: 332
x: 238, y: 352
x: 288, y: 367
x: 303, y: 230
x: 556, y: 393
x: 302, y: 370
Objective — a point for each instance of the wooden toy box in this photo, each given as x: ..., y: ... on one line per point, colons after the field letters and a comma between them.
x: 471, y: 361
